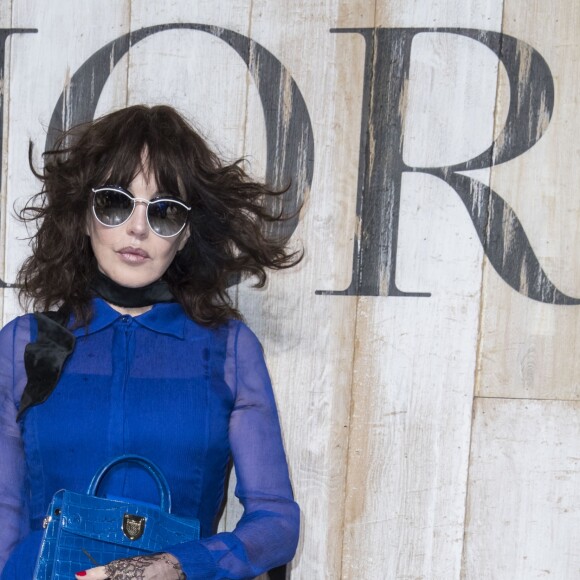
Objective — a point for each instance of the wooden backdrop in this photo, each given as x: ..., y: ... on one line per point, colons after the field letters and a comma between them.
x: 424, y: 354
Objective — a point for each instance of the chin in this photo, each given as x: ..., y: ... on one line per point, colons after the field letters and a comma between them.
x: 135, y: 283
x: 131, y: 281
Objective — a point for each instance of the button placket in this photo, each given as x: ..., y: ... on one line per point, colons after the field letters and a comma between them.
x: 122, y: 347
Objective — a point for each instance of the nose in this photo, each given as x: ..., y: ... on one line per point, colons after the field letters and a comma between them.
x: 137, y: 224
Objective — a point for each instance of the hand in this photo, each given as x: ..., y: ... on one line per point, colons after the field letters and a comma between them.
x: 152, y: 567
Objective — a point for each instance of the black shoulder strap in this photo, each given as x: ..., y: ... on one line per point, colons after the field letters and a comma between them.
x: 45, y: 358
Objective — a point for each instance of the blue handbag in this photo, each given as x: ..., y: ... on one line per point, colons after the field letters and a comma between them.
x: 83, y: 530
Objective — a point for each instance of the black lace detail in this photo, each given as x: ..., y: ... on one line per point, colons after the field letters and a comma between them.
x: 145, y: 567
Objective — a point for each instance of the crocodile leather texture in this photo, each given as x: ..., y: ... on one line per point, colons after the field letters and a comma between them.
x: 83, y: 530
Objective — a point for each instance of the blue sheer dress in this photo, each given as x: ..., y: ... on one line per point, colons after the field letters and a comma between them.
x: 159, y: 385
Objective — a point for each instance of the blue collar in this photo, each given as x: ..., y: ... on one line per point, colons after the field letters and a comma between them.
x: 164, y: 318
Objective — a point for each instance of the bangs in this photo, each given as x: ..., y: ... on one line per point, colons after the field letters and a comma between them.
x: 119, y: 146
x: 169, y: 169
x: 147, y: 154
x: 121, y: 164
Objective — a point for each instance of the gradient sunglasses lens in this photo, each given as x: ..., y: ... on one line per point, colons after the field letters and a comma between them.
x: 167, y: 217
x: 113, y: 207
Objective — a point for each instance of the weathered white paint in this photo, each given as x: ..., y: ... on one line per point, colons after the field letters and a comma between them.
x: 309, y: 339
x: 415, y: 357
x: 530, y: 349
x: 524, y: 501
x: 5, y: 19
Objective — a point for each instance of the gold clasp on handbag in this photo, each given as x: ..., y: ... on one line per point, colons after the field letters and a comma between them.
x: 133, y: 526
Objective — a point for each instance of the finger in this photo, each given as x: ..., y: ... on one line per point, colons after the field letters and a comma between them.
x: 97, y: 573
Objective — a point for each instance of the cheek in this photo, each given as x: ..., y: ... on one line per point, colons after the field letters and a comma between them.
x: 183, y: 239
x: 169, y: 254
x: 175, y: 245
x: 101, y: 239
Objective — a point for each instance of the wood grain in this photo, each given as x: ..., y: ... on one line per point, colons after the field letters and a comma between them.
x: 523, y: 519
x: 415, y: 357
x: 528, y: 349
x: 309, y: 339
x: 5, y: 21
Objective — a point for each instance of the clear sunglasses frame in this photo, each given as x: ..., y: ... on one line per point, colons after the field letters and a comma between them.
x: 135, y: 201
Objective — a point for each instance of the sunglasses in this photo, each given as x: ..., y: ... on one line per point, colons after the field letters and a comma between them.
x: 113, y: 205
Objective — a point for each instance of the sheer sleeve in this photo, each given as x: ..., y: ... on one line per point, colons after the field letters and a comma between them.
x: 267, y: 534
x: 13, y: 505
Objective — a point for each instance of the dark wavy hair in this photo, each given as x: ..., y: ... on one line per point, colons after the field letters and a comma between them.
x: 229, y: 223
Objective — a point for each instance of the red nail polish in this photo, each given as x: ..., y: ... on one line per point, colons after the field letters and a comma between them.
x: 83, y: 573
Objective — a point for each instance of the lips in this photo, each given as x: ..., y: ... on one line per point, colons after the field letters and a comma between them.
x: 133, y: 255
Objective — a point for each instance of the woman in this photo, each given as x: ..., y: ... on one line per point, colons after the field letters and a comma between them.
x: 141, y: 230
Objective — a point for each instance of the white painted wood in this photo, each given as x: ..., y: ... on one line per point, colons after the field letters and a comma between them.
x: 194, y: 71
x: 5, y: 20
x: 523, y: 503
x: 309, y: 339
x: 482, y: 14
x: 529, y: 349
x: 410, y: 423
x: 415, y: 359
x: 69, y: 32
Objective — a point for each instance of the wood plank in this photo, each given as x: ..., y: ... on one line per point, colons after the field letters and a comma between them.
x: 40, y: 69
x: 203, y: 78
x: 309, y: 338
x: 415, y: 357
x: 5, y: 22
x: 523, y: 517
x: 200, y: 75
x: 528, y: 349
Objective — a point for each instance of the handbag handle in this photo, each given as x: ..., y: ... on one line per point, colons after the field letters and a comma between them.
x: 151, y: 468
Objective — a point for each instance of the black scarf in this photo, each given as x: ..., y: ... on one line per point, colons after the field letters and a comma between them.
x: 45, y: 358
x: 125, y: 297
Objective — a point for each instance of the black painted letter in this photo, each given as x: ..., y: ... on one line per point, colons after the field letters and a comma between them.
x: 501, y: 234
